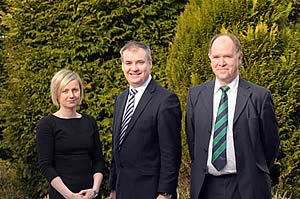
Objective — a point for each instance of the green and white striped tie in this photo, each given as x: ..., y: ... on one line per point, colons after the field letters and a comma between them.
x: 220, y: 131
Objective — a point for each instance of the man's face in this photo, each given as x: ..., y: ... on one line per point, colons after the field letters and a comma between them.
x: 136, y: 66
x: 225, y: 60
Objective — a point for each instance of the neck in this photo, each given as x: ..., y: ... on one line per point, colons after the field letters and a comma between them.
x: 67, y: 113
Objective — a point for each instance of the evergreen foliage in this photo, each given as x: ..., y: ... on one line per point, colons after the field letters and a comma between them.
x: 3, y: 74
x: 269, y: 33
x: 83, y: 35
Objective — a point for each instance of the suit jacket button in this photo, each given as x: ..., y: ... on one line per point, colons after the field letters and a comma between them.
x: 121, y: 165
x: 204, y: 170
x: 205, y: 149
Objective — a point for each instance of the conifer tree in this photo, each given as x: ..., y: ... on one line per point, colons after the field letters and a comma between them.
x: 83, y: 35
x: 3, y: 74
x: 269, y: 33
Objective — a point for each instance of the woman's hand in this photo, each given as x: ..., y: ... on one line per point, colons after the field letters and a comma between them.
x: 87, y: 194
x: 76, y: 196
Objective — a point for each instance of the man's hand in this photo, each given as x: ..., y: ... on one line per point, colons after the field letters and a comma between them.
x: 112, y: 195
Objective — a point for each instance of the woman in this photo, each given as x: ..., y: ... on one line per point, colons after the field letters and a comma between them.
x: 68, y: 143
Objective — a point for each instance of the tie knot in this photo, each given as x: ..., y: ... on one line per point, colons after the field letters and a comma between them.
x: 132, y: 91
x: 224, y: 88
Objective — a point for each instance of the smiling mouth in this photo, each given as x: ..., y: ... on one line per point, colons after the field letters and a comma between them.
x: 134, y: 74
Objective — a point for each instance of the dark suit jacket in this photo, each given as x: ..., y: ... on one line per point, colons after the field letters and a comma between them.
x: 255, y: 133
x: 149, y: 159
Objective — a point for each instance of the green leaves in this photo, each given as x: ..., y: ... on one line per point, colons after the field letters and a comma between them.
x: 271, y: 48
x: 83, y: 35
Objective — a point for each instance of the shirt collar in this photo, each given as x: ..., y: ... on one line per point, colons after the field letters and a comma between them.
x: 232, y: 85
x: 142, y: 88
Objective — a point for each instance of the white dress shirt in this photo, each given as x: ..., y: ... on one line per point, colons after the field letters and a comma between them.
x: 230, y: 167
x: 140, y: 92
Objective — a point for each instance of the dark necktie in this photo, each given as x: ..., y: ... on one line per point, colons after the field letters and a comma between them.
x: 127, y: 115
x: 220, y: 131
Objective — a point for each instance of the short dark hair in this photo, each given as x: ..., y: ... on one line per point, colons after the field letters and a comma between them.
x: 136, y: 44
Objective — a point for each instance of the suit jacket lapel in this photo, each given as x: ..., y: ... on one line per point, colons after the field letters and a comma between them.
x: 207, y: 96
x: 120, y: 106
x: 243, y: 95
x: 146, y: 97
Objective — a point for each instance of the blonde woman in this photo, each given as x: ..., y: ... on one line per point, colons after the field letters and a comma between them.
x: 68, y: 143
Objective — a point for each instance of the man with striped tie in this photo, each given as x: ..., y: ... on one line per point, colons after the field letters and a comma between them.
x: 231, y: 129
x: 146, y: 151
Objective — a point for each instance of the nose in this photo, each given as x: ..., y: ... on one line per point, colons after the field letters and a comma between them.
x: 221, y: 61
x: 71, y: 94
x: 134, y: 67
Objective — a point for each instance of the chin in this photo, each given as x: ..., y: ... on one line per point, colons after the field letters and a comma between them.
x: 223, y: 78
x: 135, y: 83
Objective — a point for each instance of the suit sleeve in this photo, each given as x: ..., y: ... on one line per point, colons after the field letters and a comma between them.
x: 269, y: 126
x: 112, y: 171
x: 169, y: 128
x: 189, y: 125
x: 112, y: 175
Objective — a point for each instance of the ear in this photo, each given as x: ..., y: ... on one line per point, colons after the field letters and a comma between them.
x: 209, y: 56
x: 150, y: 62
x: 240, y: 58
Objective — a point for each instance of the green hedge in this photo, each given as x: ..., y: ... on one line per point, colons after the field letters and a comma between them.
x: 83, y: 35
x: 270, y: 36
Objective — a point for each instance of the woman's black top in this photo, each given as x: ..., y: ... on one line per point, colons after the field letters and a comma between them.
x: 70, y: 149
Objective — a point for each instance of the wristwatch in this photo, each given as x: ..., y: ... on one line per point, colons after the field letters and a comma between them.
x: 95, y: 193
x: 167, y: 195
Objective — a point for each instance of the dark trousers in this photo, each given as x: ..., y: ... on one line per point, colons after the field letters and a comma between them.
x: 220, y: 187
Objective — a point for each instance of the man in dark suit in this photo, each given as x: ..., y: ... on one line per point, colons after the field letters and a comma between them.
x: 231, y: 130
x: 146, y: 132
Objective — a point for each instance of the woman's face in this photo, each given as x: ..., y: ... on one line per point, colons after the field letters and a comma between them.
x: 69, y: 97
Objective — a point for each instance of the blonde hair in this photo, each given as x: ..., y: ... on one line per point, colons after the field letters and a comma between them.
x: 60, y: 80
